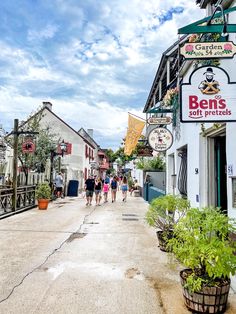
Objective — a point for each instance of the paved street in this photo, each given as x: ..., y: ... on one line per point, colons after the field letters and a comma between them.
x: 77, y: 259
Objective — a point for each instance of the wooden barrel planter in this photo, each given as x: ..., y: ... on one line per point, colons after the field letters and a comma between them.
x: 209, y: 299
x: 163, y: 238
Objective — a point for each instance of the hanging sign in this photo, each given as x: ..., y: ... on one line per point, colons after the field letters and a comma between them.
x: 160, y: 139
x: 209, y: 96
x: 28, y: 147
x: 208, y: 50
x: 144, y: 151
x: 158, y: 120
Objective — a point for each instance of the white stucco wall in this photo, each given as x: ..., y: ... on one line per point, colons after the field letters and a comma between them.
x: 73, y: 163
x: 189, y: 137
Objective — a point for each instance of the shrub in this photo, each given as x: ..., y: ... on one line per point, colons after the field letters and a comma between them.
x: 165, y: 211
x: 43, y: 191
x: 202, y: 243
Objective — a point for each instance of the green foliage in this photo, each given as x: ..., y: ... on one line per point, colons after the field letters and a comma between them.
x: 111, y: 155
x: 120, y: 155
x: 155, y: 163
x: 43, y: 191
x: 201, y: 242
x: 164, y: 212
x: 45, y: 141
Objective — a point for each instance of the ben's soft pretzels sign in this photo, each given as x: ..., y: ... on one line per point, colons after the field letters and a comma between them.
x: 208, y: 96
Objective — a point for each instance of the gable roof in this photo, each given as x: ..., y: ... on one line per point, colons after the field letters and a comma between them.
x: 39, y: 112
x: 45, y: 108
x: 89, y: 137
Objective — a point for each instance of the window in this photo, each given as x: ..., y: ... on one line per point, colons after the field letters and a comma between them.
x: 182, y: 176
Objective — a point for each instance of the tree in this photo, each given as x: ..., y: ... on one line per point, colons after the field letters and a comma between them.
x: 45, y: 142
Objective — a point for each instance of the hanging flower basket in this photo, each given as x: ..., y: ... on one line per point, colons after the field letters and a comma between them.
x: 169, y: 97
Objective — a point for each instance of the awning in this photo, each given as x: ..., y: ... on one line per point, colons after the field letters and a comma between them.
x: 198, y: 28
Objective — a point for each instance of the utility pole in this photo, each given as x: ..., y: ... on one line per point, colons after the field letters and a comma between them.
x: 15, y: 163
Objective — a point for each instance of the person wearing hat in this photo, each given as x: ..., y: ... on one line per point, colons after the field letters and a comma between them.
x: 209, y: 85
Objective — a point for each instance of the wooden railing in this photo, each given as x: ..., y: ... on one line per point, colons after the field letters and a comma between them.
x: 25, y: 199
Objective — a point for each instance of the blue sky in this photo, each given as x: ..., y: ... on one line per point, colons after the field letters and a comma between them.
x: 94, y: 60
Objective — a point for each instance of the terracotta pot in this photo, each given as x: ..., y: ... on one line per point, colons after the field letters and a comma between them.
x: 43, y: 203
x: 209, y: 299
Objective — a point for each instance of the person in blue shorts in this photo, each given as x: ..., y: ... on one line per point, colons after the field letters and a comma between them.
x: 124, y: 188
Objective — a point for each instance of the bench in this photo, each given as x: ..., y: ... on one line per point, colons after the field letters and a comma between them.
x: 136, y: 193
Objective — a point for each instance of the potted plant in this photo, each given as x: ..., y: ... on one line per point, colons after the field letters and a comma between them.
x: 164, y: 213
x: 203, y: 244
x: 43, y: 195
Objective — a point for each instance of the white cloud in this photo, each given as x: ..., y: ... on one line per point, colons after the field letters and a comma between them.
x: 47, y: 32
x: 100, y: 65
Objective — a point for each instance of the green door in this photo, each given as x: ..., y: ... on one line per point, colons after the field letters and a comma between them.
x: 221, y: 174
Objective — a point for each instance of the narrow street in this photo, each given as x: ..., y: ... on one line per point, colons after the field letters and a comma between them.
x: 77, y: 259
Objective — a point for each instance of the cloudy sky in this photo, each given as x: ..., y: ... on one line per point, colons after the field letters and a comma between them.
x: 94, y: 60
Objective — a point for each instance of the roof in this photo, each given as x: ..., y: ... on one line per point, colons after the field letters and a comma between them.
x: 47, y: 109
x: 172, y: 51
x: 90, y: 138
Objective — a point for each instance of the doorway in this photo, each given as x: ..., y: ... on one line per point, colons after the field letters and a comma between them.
x: 220, y: 172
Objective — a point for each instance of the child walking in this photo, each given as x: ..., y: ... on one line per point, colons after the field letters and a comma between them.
x: 105, y: 190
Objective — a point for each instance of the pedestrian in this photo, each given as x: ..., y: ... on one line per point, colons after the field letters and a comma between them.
x: 98, y: 191
x: 59, y: 184
x: 134, y: 186
x: 124, y: 188
x: 113, y: 189
x: 105, y: 190
x: 89, y: 189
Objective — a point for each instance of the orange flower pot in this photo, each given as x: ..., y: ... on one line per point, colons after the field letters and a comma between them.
x: 43, y: 203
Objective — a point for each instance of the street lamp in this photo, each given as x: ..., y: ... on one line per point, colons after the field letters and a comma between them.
x: 63, y: 147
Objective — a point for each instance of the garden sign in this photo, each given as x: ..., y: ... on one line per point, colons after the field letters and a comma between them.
x: 208, y: 50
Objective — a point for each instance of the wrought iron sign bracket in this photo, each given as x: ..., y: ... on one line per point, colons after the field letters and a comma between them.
x: 198, y: 28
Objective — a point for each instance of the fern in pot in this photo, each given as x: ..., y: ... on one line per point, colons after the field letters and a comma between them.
x: 202, y: 243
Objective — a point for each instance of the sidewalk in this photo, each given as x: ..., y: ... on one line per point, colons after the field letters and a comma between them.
x: 77, y: 259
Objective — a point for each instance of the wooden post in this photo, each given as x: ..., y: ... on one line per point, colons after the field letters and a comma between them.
x: 15, y: 164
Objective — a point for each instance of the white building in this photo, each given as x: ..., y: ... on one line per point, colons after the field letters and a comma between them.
x: 201, y: 163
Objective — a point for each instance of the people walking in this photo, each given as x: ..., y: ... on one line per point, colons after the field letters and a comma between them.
x: 113, y: 189
x: 105, y: 191
x: 59, y: 184
x: 98, y: 191
x: 89, y: 188
x: 124, y: 188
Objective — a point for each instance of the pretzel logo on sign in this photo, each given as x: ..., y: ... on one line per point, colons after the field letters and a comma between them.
x: 209, y: 86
